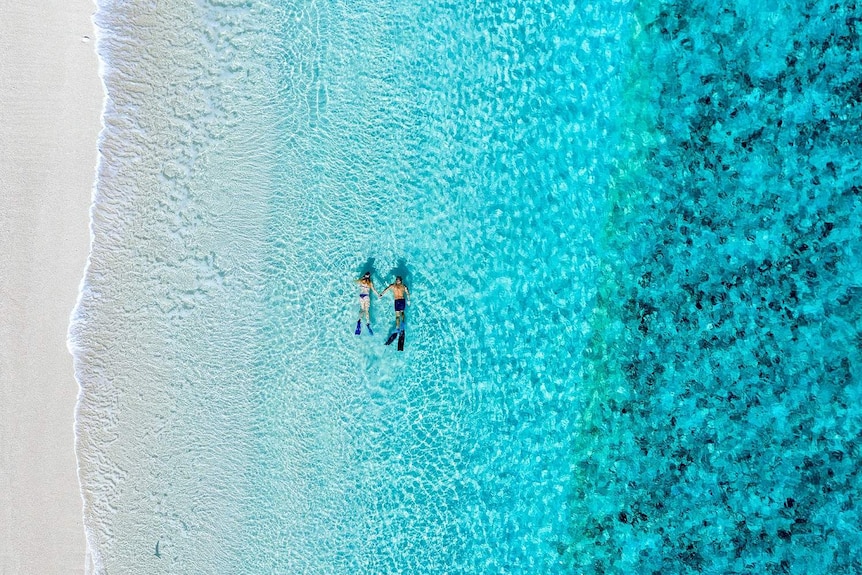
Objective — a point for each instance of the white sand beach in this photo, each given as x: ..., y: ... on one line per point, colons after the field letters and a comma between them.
x: 50, y: 101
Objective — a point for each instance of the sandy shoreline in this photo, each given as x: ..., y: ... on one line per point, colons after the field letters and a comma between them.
x: 50, y: 101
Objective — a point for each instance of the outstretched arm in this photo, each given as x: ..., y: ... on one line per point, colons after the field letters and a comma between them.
x: 385, y: 290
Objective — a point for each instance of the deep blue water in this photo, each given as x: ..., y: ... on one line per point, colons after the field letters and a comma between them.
x: 631, y: 236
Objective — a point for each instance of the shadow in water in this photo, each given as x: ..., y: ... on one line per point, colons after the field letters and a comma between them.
x: 368, y: 266
x: 400, y: 269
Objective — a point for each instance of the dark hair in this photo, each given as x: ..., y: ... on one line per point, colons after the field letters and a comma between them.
x: 399, y: 278
x: 367, y: 275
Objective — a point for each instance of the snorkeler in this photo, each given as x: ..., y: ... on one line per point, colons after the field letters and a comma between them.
x: 366, y: 286
x: 399, y: 291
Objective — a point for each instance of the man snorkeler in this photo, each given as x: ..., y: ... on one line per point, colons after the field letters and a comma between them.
x: 402, y: 298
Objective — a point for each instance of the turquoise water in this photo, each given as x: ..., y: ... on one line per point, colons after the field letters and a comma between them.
x: 631, y: 235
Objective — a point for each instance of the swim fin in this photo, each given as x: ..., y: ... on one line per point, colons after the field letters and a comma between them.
x: 370, y: 331
x: 392, y: 336
x: 358, y: 327
x: 401, y: 340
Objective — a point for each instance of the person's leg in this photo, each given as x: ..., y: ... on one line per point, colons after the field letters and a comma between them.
x: 363, y: 309
x: 399, y: 313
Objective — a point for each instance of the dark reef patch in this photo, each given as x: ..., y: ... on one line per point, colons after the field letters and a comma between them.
x: 728, y: 346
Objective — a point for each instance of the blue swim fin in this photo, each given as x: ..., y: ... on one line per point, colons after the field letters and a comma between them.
x: 371, y: 331
x: 358, y: 327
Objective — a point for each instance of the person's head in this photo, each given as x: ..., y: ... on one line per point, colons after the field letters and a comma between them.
x: 367, y: 276
x: 398, y: 279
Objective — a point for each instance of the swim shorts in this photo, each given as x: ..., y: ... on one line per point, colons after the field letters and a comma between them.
x: 399, y: 304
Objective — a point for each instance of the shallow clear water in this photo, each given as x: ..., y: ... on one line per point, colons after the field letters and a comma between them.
x: 630, y: 232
